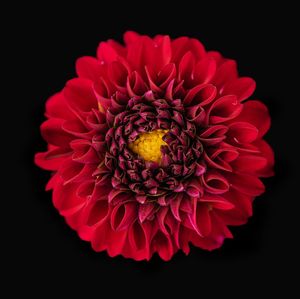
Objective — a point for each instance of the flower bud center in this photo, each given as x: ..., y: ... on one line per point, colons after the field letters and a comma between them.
x: 148, y: 145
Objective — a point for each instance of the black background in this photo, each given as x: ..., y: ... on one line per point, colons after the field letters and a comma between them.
x: 44, y: 252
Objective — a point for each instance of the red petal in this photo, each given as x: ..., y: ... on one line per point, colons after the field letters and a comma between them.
x: 118, y: 75
x: 103, y: 94
x: 257, y: 114
x: 242, y: 132
x: 225, y: 73
x: 131, y: 37
x: 217, y: 57
x: 197, y: 48
x: 243, y: 88
x: 160, y: 216
x: 84, y: 152
x: 213, y: 134
x: 141, y: 53
x: 89, y: 68
x: 251, y: 164
x: 119, y: 48
x: 242, y: 208
x: 102, y: 192
x: 268, y: 154
x: 179, y: 48
x: 139, y: 240
x: 207, y: 243
x: 200, y: 219
x: 100, y: 236
x: 215, y: 183
x: 52, y: 159
x: 80, y: 95
x: 217, y: 202
x: 106, y: 53
x: 53, y: 133
x: 145, y: 211
x: 162, y: 244
x: 224, y: 109
x: 123, y: 215
x: 163, y: 79
x: 174, y: 205
x: 167, y: 74
x: 186, y: 67
x: 76, y: 128
x: 163, y: 52
x: 136, y: 85
x: 54, y: 180
x: 201, y: 94
x: 56, y: 107
x: 98, y: 213
x: 116, y: 242
x: 214, y: 131
x: 204, y: 70
x: 203, y: 219
x: 66, y: 200
x: 247, y: 184
x: 218, y: 163
x: 117, y: 196
x: 227, y: 153
x: 74, y: 171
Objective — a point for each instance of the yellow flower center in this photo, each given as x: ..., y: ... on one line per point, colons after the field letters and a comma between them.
x: 147, y: 145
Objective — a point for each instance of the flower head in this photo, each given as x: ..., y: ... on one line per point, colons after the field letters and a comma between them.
x: 153, y: 147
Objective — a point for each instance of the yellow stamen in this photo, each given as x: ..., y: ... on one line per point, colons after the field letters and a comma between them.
x: 147, y: 145
x: 100, y: 108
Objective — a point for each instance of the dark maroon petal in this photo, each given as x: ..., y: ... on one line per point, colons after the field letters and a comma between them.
x: 200, y: 169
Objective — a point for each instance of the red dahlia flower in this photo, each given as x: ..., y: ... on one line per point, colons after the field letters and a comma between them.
x: 154, y: 147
